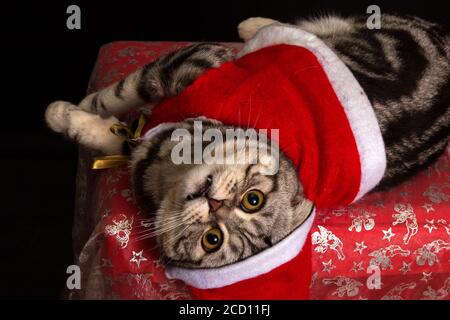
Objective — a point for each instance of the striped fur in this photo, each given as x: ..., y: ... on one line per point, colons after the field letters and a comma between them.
x: 163, y: 78
x: 405, y: 70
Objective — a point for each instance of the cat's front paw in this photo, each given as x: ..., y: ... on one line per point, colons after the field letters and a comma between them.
x: 248, y: 28
x: 57, y: 116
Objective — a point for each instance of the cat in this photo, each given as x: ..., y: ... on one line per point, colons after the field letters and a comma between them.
x: 404, y: 69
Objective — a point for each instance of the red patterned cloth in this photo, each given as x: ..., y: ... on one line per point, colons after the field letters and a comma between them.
x: 404, y: 234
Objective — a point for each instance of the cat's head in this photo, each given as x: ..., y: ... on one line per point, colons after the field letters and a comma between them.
x: 213, y: 214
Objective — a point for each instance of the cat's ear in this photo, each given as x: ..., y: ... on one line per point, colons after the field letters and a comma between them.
x: 151, y: 137
x: 302, y: 211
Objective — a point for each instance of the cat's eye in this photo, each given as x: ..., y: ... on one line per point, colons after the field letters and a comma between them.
x: 212, y: 239
x: 252, y: 201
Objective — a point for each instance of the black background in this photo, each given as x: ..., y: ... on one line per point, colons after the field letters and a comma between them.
x: 44, y: 61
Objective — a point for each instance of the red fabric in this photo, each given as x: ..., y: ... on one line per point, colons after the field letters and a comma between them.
x: 289, y: 281
x: 280, y: 87
x: 142, y: 277
x: 414, y: 269
x: 404, y: 233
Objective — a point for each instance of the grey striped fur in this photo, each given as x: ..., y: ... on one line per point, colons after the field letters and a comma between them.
x: 404, y: 68
x: 159, y: 79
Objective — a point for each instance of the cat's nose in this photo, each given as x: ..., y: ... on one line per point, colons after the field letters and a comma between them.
x: 214, y: 204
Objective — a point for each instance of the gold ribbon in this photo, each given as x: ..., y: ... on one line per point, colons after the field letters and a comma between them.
x: 132, y: 138
x: 107, y: 162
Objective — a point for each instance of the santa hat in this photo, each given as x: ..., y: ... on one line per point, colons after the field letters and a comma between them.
x: 286, y: 79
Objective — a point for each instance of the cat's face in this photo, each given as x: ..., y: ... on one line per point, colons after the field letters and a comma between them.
x: 210, y: 215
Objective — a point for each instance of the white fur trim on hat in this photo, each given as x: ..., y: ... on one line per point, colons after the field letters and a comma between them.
x: 352, y: 97
x: 256, y: 265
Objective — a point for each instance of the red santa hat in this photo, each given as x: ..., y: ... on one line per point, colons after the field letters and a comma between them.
x: 286, y: 79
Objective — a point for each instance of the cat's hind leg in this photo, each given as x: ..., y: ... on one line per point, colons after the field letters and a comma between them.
x: 86, y: 128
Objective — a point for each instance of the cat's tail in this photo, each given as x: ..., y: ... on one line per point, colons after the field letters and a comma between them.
x: 327, y: 25
x: 323, y: 26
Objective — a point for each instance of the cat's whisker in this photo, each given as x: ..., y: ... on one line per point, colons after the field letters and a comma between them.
x: 161, y: 231
x: 162, y: 227
x: 166, y: 228
x: 158, y: 224
x: 178, y: 235
x: 257, y: 118
x: 249, y: 113
x: 173, y: 216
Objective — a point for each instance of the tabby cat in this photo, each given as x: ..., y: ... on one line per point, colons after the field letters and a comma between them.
x: 404, y: 69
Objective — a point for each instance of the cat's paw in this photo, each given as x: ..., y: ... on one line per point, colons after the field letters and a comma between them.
x: 57, y: 116
x: 248, y: 28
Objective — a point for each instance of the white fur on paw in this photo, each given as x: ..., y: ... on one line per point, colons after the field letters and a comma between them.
x: 248, y: 28
x: 57, y: 115
x: 94, y: 132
